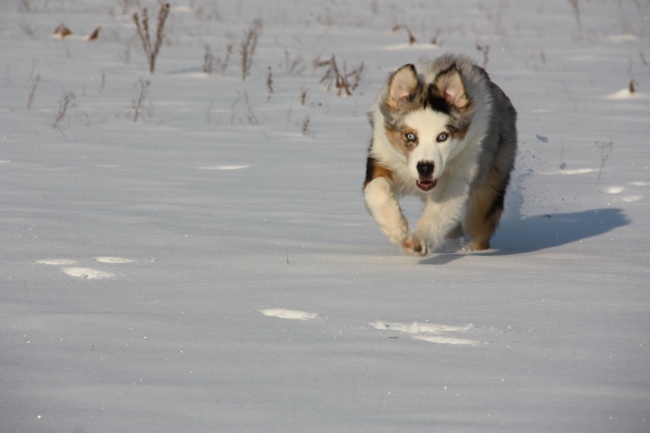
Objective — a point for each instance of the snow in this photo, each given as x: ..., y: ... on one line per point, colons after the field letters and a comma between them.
x: 211, y: 266
x: 283, y: 313
x: 87, y: 273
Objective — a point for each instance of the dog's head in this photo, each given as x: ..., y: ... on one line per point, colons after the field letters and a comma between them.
x: 427, y: 122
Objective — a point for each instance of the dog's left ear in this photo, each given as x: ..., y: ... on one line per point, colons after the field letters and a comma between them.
x: 449, y: 85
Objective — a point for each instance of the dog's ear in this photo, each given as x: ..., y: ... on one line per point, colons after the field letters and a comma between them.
x: 449, y: 85
x: 403, y: 86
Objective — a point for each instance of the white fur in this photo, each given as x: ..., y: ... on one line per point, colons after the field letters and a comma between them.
x: 384, y: 208
x: 429, y: 125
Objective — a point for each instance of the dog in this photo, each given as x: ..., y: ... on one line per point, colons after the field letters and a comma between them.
x: 445, y: 132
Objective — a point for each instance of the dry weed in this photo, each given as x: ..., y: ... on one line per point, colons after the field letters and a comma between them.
x: 142, y: 26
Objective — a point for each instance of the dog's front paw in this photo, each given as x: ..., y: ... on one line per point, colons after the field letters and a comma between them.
x: 415, y: 246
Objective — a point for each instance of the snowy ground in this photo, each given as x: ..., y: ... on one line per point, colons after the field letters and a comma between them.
x: 210, y: 267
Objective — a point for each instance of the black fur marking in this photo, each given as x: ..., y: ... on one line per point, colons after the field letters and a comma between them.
x: 436, y: 102
x: 499, y: 202
x: 497, y: 205
x: 370, y: 169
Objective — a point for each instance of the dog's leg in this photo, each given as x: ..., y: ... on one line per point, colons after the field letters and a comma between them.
x: 485, y: 209
x: 382, y: 205
x: 438, y: 220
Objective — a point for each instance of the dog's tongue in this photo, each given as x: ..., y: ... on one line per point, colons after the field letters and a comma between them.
x: 426, y: 185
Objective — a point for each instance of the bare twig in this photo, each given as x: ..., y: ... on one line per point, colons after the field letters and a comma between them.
x: 248, y: 46
x: 339, y: 79
x: 632, y: 85
x: 605, y: 149
x: 208, y: 60
x: 576, y: 11
x: 142, y: 26
x: 232, y: 108
x: 224, y: 64
x: 269, y: 84
x: 355, y: 76
x: 252, y: 119
x: 250, y: 114
x: 306, y: 124
x: 66, y: 102
x: 397, y: 27
x: 295, y: 66
x: 32, y: 93
x: 303, y: 95
x: 138, y: 101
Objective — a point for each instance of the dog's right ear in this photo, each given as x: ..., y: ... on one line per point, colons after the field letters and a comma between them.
x: 403, y: 86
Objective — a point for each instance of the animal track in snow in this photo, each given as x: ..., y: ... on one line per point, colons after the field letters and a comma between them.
x: 613, y: 189
x: 88, y: 273
x: 402, y: 47
x: 626, y: 94
x: 85, y: 272
x: 571, y: 172
x: 429, y: 332
x: 282, y: 313
x: 113, y: 260
x: 224, y: 167
x: 441, y: 339
x: 56, y: 262
x: 619, y: 189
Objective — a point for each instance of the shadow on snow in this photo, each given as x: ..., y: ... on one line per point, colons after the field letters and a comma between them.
x: 539, y: 232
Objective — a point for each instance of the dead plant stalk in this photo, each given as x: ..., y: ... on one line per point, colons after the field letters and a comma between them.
x: 32, y: 94
x: 142, y: 25
x: 340, y: 79
x: 248, y: 46
x: 66, y: 102
x: 138, y: 101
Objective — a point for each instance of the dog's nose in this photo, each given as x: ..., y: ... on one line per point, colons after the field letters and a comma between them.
x: 425, y: 169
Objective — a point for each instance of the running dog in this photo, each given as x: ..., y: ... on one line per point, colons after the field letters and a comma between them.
x: 445, y: 132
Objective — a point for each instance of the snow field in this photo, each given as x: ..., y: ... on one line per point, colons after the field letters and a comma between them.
x: 211, y: 266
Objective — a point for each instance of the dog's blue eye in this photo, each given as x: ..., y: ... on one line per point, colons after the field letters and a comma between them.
x: 410, y: 136
x: 442, y: 137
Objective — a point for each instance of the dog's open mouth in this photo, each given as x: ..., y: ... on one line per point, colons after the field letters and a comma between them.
x: 426, y: 185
